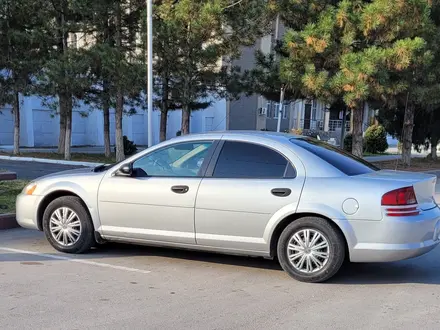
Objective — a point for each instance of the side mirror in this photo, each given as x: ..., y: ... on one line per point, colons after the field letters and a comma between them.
x: 126, y: 169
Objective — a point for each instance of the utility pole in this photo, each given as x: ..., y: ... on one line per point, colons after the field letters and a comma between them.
x: 150, y: 70
x: 280, y: 111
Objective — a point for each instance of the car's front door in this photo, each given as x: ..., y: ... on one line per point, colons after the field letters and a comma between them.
x: 247, y: 185
x: 155, y: 203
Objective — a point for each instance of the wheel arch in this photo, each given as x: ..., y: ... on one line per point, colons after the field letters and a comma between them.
x: 293, y: 217
x: 49, y: 198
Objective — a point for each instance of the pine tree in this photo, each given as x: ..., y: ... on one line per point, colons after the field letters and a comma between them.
x: 23, y: 47
x: 202, y: 33
x: 359, y: 50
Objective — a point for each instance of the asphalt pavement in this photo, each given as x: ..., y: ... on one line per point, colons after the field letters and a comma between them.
x: 33, y: 170
x: 132, y: 287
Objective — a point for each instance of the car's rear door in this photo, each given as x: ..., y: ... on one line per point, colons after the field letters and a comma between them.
x: 245, y: 185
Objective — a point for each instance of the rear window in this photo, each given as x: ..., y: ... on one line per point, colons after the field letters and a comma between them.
x: 342, y: 160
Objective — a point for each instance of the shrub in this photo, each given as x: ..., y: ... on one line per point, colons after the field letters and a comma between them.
x: 348, y: 142
x: 296, y: 131
x: 376, y: 139
x: 129, y: 147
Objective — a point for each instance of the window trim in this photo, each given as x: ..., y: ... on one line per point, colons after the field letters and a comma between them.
x: 203, y: 168
x: 216, y: 155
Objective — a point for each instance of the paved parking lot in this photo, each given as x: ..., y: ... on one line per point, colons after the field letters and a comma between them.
x: 131, y: 287
x: 33, y: 170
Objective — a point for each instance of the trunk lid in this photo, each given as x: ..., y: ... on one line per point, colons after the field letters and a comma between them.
x: 424, y: 184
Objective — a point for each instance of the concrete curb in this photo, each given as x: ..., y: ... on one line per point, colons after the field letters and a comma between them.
x: 8, y: 221
x: 8, y: 176
x: 50, y: 161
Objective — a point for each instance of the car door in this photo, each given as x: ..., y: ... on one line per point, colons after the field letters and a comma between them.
x: 156, y: 202
x: 248, y: 183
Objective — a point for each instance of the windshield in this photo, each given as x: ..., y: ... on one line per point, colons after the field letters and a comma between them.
x: 105, y: 167
x: 338, y: 158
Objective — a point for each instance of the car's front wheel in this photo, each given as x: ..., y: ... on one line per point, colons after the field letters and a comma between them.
x: 68, y: 226
x: 311, y: 250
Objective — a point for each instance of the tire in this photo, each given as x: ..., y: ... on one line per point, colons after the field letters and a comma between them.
x: 329, y: 258
x: 83, y: 241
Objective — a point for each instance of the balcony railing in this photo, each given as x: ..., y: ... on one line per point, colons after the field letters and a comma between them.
x: 334, y: 125
x: 318, y: 125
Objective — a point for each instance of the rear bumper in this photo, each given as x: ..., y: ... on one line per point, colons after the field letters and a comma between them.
x: 393, y: 239
x: 26, y: 209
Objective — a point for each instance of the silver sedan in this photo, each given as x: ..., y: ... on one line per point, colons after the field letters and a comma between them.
x: 302, y: 201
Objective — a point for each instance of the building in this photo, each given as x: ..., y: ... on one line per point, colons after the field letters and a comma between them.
x: 39, y: 124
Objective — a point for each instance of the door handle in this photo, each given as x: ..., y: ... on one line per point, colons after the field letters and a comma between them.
x: 281, y: 192
x: 180, y: 189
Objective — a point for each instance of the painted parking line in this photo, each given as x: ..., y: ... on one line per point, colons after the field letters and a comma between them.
x: 80, y: 261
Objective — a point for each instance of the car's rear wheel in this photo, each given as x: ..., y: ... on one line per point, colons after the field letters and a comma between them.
x: 310, y: 249
x: 68, y: 226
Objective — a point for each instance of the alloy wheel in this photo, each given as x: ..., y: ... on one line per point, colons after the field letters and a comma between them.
x: 308, y: 251
x: 65, y: 226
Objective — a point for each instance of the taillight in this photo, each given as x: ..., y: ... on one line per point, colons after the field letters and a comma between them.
x: 400, y: 197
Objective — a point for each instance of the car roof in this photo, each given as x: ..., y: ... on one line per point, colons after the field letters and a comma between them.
x: 220, y: 134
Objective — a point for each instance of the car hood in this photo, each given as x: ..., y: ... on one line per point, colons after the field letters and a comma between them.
x: 88, y: 171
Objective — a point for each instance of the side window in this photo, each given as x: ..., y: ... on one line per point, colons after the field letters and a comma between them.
x: 179, y: 160
x: 247, y: 160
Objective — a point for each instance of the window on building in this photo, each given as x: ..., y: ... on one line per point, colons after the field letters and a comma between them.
x: 74, y: 40
x: 270, y: 110
x: 276, y: 107
x: 209, y: 124
x: 314, y: 109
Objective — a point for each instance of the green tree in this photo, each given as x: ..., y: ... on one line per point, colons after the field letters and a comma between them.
x: 202, y: 33
x: 265, y: 79
x: 408, y: 28
x: 358, y: 51
x: 23, y: 46
x: 116, y: 64
x: 64, y: 74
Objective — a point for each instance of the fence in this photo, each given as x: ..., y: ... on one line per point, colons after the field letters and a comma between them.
x: 334, y: 125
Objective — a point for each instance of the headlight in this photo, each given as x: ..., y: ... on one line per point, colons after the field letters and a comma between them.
x: 30, y: 188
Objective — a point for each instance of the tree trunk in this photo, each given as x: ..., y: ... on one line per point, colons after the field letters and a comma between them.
x: 358, y: 140
x: 163, y: 125
x: 434, y: 143
x: 62, y: 138
x: 164, y: 108
x: 119, y: 94
x: 68, y: 135
x: 63, y: 95
x: 185, y: 119
x: 408, y: 126
x: 351, y: 121
x: 16, y: 111
x: 118, y: 123
x: 106, y: 111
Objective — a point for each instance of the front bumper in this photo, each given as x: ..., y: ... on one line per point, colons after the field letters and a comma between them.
x: 393, y: 239
x: 26, y: 211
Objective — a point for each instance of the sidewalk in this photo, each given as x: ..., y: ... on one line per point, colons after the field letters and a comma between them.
x: 80, y: 150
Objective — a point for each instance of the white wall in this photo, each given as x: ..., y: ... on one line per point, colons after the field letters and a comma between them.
x: 6, y: 126
x: 40, y: 124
